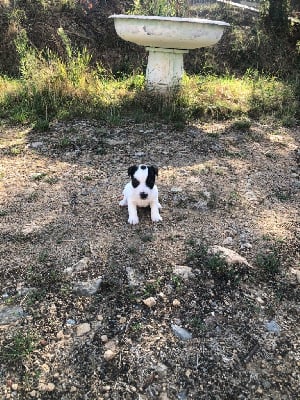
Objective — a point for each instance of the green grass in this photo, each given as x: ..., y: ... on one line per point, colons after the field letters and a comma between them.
x: 18, y: 347
x: 269, y: 263
x: 51, y: 88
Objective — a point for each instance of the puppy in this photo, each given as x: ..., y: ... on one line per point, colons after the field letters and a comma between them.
x: 141, y: 191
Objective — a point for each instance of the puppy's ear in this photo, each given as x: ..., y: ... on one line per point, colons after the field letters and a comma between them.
x: 132, y: 170
x: 154, y: 169
x: 152, y: 172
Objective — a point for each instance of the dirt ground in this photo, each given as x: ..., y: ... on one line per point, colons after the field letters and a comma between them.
x: 93, y: 308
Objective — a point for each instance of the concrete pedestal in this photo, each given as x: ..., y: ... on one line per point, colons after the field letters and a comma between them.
x: 165, y: 68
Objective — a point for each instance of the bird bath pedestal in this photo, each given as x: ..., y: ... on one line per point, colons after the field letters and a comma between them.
x: 167, y: 39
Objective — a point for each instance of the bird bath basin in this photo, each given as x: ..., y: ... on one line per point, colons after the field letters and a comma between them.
x: 167, y: 39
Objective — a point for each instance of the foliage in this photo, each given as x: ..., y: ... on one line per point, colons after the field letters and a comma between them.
x: 169, y: 8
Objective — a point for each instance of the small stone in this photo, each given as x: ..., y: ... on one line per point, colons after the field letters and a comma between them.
x: 176, y: 189
x: 33, y: 393
x: 246, y: 246
x: 82, y: 264
x: 260, y: 300
x: 50, y: 387
x: 87, y: 288
x: 70, y: 322
x: 83, y: 329
x: 14, y: 386
x: 273, y: 327
x: 122, y: 320
x: 163, y: 396
x: 36, y: 145
x: 176, y: 303
x: 60, y: 335
x: 45, y: 368
x: 104, y: 338
x: 183, y: 271
x: 109, y: 355
x: 150, y: 302
x: 228, y: 241
x: 180, y: 332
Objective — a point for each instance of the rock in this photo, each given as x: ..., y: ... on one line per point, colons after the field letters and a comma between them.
x: 246, y: 246
x: 10, y: 314
x: 163, y: 396
x: 82, y: 264
x: 230, y: 256
x: 109, y: 355
x: 134, y: 279
x: 273, y: 327
x: 176, y: 303
x: 70, y: 322
x: 228, y: 241
x: 87, y: 288
x: 176, y: 189
x: 150, y: 302
x: 139, y: 154
x: 180, y: 332
x: 83, y: 329
x: 50, y: 387
x: 36, y: 145
x: 104, y: 338
x: 183, y: 271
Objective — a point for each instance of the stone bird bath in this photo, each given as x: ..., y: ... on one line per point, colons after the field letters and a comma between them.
x: 167, y: 39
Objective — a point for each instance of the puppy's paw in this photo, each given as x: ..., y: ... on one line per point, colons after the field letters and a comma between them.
x: 123, y: 203
x: 133, y: 220
x: 156, y: 218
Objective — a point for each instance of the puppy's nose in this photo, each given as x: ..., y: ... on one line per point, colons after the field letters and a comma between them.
x: 143, y: 195
x: 143, y: 167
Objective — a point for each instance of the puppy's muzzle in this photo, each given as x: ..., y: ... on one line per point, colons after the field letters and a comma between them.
x: 143, y: 195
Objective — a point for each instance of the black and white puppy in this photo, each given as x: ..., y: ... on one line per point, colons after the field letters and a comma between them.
x: 141, y: 191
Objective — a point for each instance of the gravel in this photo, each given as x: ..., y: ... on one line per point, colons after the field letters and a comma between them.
x: 93, y: 308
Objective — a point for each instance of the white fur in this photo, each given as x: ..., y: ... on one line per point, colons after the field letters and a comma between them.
x: 132, y: 198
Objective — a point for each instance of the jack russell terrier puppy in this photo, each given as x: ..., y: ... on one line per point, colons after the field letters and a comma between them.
x: 141, y: 191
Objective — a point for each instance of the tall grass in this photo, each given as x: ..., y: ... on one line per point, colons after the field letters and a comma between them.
x: 54, y: 88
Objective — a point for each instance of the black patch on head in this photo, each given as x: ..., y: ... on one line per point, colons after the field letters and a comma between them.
x: 152, y: 172
x: 131, y: 171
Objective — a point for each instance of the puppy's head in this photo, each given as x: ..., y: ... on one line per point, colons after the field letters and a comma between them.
x: 143, y: 174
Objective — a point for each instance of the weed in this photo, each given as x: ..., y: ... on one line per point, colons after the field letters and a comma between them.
x: 176, y: 281
x: 152, y: 288
x: 283, y: 194
x: 214, y: 264
x: 18, y: 347
x: 269, y: 262
x: 147, y: 237
x: 234, y: 198
x: 243, y: 124
x: 38, y: 176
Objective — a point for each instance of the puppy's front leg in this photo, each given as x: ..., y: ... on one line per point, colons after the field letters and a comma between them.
x: 133, y: 218
x: 155, y: 216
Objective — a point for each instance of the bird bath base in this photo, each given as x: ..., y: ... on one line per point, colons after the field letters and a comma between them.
x: 164, y: 69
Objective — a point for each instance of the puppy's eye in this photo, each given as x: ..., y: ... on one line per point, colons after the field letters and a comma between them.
x: 135, y: 182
